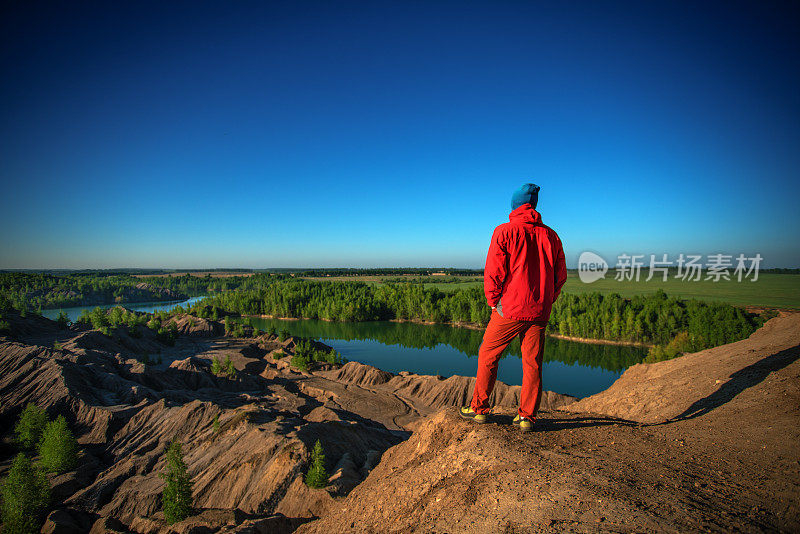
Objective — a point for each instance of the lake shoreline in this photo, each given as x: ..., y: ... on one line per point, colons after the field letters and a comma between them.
x: 471, y: 326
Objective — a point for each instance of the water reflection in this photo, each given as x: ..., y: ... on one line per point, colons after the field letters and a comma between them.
x: 578, y: 369
x: 416, y: 336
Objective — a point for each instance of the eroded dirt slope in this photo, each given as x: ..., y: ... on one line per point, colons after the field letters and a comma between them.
x: 125, y: 413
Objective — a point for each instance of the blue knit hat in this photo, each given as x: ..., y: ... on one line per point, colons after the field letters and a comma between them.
x: 527, y: 194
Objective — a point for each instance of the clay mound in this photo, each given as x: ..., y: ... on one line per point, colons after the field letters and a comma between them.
x: 360, y: 374
x: 191, y: 373
x: 191, y: 364
x: 77, y: 386
x: 435, y: 391
x: 31, y: 325
x: 695, y: 383
x: 119, y: 341
x: 191, y: 326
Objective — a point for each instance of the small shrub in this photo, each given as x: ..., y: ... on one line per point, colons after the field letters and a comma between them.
x: 57, y: 345
x: 28, y: 430
x: 62, y: 320
x: 278, y: 354
x: 238, y: 330
x: 215, y: 424
x: 256, y: 332
x: 219, y: 367
x: 317, y: 476
x: 766, y: 315
x: 26, y: 494
x: 4, y: 327
x: 168, y: 335
x: 284, y: 335
x: 305, y: 354
x: 300, y: 362
x: 154, y: 323
x: 680, y: 344
x: 177, y: 497
x: 230, y: 369
x: 58, y: 450
x: 271, y: 331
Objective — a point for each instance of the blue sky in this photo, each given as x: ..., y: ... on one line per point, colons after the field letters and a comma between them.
x: 393, y: 133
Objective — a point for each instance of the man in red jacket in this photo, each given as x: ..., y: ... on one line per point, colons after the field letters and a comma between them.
x: 525, y: 271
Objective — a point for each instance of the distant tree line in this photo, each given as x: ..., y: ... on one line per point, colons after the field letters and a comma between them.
x: 388, y: 271
x: 36, y: 291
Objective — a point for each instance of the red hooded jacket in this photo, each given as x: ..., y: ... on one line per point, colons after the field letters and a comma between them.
x: 525, y: 268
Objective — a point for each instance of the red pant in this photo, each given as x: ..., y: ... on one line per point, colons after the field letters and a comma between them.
x: 499, y: 333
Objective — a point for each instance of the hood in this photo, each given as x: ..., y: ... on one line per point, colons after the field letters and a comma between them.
x: 525, y: 214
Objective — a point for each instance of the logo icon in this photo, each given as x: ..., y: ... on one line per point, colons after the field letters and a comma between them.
x: 591, y: 267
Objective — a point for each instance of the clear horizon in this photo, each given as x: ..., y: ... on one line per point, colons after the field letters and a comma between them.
x: 384, y: 134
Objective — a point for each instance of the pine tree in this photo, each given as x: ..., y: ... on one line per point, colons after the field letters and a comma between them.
x: 216, y: 365
x: 177, y: 496
x: 63, y: 320
x: 230, y: 369
x: 317, y: 476
x: 30, y: 426
x: 58, y: 449
x: 26, y: 494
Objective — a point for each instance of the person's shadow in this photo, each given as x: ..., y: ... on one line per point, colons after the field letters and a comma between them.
x: 739, y: 381
x: 546, y: 424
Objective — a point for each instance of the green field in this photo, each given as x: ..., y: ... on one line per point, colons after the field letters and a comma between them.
x: 771, y: 290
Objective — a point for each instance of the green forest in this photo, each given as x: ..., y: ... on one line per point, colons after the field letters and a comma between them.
x: 33, y: 291
x: 650, y: 319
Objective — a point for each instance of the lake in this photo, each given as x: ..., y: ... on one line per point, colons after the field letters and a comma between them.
x: 149, y: 307
x: 578, y: 369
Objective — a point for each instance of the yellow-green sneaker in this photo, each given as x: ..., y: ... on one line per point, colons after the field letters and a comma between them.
x: 525, y: 424
x: 468, y: 413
